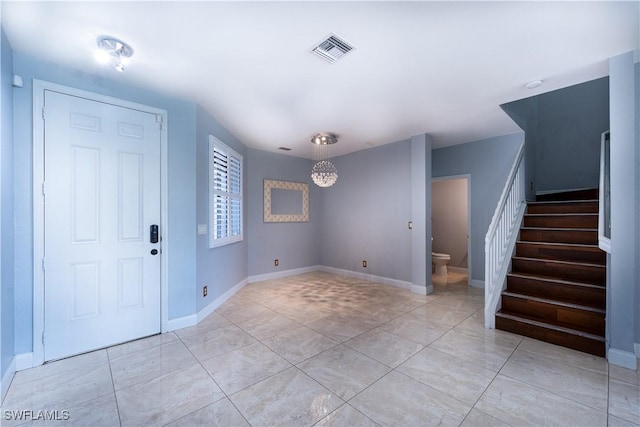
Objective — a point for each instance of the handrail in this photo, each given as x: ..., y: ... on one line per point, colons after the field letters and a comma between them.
x: 503, y: 196
x: 604, y: 202
x: 501, y: 237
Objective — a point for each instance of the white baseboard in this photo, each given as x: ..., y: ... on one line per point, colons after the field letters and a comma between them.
x: 477, y: 283
x: 422, y: 290
x: 194, y: 319
x: 626, y: 359
x: 24, y: 361
x: 282, y: 274
x: 636, y: 347
x: 211, y: 307
x: 368, y: 277
x: 181, y: 322
x: 565, y: 190
x: 5, y: 382
x: 460, y: 270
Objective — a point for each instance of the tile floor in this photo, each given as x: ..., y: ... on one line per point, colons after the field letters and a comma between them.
x: 330, y: 350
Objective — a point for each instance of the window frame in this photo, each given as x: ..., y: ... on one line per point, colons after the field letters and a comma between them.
x: 214, y: 241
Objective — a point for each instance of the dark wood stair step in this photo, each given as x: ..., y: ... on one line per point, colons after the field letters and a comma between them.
x: 589, y: 193
x: 576, y: 206
x: 559, y: 290
x: 568, y: 315
x: 564, y: 270
x: 586, y: 236
x: 578, y: 220
x: 561, y: 251
x: 566, y: 337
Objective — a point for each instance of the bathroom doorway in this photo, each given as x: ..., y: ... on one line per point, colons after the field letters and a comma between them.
x: 451, y: 226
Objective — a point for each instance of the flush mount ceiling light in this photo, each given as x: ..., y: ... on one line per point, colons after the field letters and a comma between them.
x: 113, y: 50
x: 323, y: 173
x: 533, y: 84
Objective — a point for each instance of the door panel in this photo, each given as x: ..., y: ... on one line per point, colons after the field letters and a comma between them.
x: 102, y: 191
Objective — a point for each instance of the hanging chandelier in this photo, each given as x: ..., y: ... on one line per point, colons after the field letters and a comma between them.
x: 323, y: 173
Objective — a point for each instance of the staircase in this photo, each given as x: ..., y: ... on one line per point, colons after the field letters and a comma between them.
x: 556, y: 289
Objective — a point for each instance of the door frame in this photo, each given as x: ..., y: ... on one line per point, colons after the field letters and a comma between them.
x: 39, y: 87
x: 466, y: 176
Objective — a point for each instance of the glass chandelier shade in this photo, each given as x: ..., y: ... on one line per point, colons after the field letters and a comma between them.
x: 324, y: 173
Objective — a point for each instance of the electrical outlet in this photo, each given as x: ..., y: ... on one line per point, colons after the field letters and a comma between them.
x: 204, y: 291
x: 276, y: 262
x: 364, y: 263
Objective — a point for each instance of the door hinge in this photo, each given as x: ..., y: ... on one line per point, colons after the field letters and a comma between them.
x: 160, y: 121
x: 43, y: 264
x: 43, y: 115
x: 43, y: 188
x: 43, y: 338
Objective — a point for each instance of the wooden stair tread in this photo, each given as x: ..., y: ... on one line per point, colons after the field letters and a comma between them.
x: 563, y: 214
x: 564, y: 329
x: 558, y: 229
x: 560, y: 202
x: 555, y: 302
x: 556, y: 261
x: 552, y: 279
x: 573, y: 245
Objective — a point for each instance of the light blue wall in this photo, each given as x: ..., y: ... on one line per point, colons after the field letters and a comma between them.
x: 625, y: 192
x: 223, y: 267
x: 637, y: 169
x: 488, y: 162
x: 7, y: 345
x: 181, y: 191
x: 563, y: 129
x: 294, y: 244
x: 570, y: 123
x: 364, y: 215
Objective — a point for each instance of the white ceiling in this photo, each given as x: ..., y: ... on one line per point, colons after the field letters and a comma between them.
x: 441, y: 68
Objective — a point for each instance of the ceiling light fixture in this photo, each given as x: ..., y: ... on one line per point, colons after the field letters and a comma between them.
x: 533, y: 84
x: 113, y: 50
x: 323, y: 173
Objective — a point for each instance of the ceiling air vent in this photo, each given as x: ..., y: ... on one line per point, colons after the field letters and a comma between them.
x: 332, y: 49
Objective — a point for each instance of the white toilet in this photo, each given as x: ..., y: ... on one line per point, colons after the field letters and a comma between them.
x: 440, y: 261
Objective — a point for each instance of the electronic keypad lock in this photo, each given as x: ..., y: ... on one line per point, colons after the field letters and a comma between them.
x: 153, y: 234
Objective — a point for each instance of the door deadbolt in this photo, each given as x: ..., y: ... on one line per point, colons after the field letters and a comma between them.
x: 154, y: 252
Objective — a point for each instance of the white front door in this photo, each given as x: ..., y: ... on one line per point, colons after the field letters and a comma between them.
x: 101, y: 197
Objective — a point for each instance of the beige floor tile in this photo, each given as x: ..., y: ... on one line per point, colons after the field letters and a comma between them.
x: 625, y: 375
x: 141, y: 344
x: 564, y: 355
x: 520, y: 404
x: 287, y: 399
x: 217, y: 342
x: 385, y: 347
x: 477, y: 418
x: 299, y: 344
x: 619, y: 422
x: 238, y: 311
x: 346, y: 415
x: 246, y: 366
x: 344, y: 371
x: 414, y: 329
x: 580, y: 385
x: 441, y: 316
x: 167, y: 398
x: 58, y: 367
x: 399, y: 400
x: 61, y: 391
x: 624, y: 401
x: 339, y: 327
x: 268, y: 325
x: 100, y: 412
x: 488, y: 352
x: 451, y: 375
x: 221, y: 413
x: 210, y: 323
x: 301, y: 313
x: 149, y: 363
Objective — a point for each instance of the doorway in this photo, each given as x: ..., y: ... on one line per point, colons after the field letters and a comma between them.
x: 97, y: 221
x: 451, y: 225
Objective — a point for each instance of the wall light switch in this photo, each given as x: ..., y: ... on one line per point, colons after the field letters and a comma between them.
x: 410, y: 225
x: 202, y: 228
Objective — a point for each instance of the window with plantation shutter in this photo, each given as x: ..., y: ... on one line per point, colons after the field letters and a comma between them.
x: 225, y: 194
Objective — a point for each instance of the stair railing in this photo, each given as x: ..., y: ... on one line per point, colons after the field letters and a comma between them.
x: 501, y: 238
x: 604, y: 205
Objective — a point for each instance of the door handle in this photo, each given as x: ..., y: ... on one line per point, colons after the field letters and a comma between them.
x: 153, y: 234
